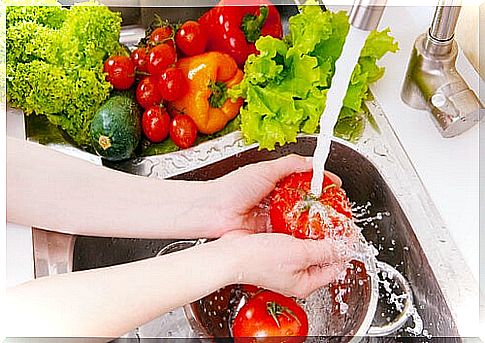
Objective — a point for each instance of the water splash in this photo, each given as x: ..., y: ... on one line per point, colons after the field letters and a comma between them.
x: 335, y: 97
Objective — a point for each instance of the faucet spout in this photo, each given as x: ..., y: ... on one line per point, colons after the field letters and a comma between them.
x: 432, y: 82
x: 366, y: 14
x: 444, y: 20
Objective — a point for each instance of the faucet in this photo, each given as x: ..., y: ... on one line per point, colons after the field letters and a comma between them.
x: 366, y: 14
x: 432, y: 82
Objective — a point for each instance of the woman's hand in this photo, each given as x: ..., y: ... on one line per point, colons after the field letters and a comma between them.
x: 239, y: 194
x: 282, y: 263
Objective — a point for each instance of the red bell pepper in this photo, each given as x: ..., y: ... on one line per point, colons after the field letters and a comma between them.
x: 234, y: 29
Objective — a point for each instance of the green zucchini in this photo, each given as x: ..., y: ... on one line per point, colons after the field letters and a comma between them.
x: 116, y: 128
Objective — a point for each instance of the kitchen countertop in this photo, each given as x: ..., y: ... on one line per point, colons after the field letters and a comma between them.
x: 449, y: 168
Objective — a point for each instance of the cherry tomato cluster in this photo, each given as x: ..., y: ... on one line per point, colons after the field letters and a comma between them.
x: 152, y: 66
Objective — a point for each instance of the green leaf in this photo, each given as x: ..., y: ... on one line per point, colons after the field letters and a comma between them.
x: 285, y: 85
x: 378, y: 44
x: 55, y: 61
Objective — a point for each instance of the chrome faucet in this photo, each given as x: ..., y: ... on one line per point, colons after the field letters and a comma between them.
x: 432, y: 82
x: 366, y: 14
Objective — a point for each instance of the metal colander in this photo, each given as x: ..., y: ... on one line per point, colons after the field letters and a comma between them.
x: 212, y: 316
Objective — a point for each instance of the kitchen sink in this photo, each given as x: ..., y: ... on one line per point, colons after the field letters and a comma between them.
x: 392, y: 235
x: 403, y: 223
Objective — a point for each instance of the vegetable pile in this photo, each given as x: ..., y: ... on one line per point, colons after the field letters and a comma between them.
x: 285, y: 85
x: 181, y: 86
x: 55, y: 62
x: 187, y: 78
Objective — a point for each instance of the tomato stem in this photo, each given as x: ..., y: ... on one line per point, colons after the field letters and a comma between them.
x: 275, y: 310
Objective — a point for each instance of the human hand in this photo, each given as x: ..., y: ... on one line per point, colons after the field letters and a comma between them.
x: 240, y: 193
x: 282, y: 263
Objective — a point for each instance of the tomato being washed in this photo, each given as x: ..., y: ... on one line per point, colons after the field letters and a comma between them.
x: 268, y: 315
x: 290, y: 204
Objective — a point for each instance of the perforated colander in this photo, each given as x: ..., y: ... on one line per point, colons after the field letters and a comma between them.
x: 212, y: 316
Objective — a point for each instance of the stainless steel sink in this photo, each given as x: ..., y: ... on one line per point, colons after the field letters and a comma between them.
x: 394, y: 237
x: 410, y: 235
x: 412, y: 238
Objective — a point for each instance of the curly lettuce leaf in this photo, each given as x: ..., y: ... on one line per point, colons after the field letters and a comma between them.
x: 55, y: 62
x: 48, y: 13
x: 285, y: 85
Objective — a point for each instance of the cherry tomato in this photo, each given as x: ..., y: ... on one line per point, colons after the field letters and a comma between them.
x: 121, y: 72
x: 191, y: 38
x: 140, y: 59
x: 161, y: 57
x: 155, y: 123
x: 270, y: 316
x: 183, y: 131
x: 173, y: 84
x: 147, y: 93
x: 289, y: 215
x: 161, y: 34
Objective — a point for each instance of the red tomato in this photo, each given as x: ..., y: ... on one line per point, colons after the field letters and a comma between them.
x: 161, y: 57
x: 173, y: 84
x: 161, y: 34
x: 140, y: 59
x: 147, y: 93
x: 183, y: 131
x: 155, y: 123
x: 289, y: 214
x: 269, y: 315
x: 191, y: 38
x: 121, y: 72
x: 251, y: 290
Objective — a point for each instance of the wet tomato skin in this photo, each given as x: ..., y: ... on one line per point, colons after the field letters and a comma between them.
x: 268, y: 316
x: 147, y: 92
x: 155, y: 123
x: 120, y: 72
x: 139, y: 57
x: 173, y: 84
x: 297, y: 187
x: 161, y: 57
x: 161, y: 34
x: 191, y: 38
x: 183, y: 131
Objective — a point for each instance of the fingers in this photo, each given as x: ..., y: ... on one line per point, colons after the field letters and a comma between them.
x: 284, y: 166
x: 317, y: 277
x: 281, y: 167
x: 335, y: 179
x: 320, y: 253
x: 235, y: 234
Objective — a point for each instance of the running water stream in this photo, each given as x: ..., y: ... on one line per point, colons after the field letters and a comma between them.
x: 361, y: 250
x: 335, y: 97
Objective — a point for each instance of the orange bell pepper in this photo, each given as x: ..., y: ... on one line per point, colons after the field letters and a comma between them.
x: 209, y: 76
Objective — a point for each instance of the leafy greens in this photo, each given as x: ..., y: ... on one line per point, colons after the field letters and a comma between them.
x: 285, y: 85
x: 55, y: 61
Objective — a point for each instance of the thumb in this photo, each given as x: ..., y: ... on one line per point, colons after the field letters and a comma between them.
x: 320, y: 252
x: 317, y: 277
x: 276, y: 170
x: 235, y: 234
